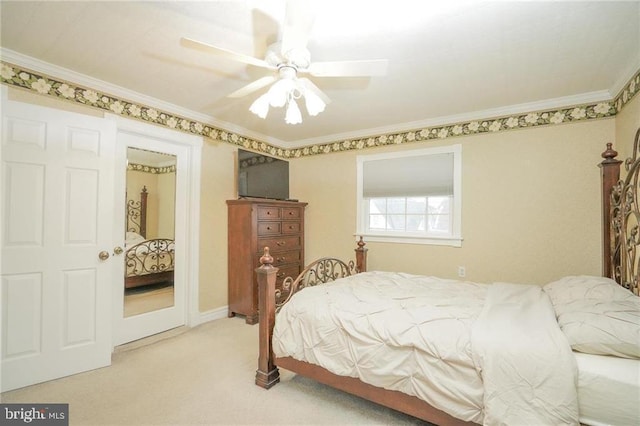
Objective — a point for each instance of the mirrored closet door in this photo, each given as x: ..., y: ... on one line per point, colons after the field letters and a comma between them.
x: 149, y: 254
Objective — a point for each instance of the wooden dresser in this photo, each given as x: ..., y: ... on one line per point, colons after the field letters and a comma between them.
x: 254, y: 224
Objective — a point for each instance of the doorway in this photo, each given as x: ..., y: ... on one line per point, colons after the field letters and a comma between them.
x: 158, y: 285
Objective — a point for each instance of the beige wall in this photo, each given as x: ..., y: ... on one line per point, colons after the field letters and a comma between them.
x: 161, y: 190
x: 218, y: 185
x: 166, y: 205
x: 531, y: 207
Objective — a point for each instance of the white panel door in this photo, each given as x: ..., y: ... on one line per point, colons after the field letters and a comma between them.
x: 57, y: 215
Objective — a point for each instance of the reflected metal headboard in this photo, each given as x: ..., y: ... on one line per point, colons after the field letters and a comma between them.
x: 137, y: 214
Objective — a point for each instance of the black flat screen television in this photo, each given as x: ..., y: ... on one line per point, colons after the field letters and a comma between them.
x: 261, y: 176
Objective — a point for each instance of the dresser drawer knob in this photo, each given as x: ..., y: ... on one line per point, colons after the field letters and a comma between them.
x: 269, y: 228
x: 280, y: 243
x: 282, y: 259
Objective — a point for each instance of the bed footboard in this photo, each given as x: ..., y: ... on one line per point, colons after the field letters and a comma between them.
x: 271, y: 299
x: 149, y: 262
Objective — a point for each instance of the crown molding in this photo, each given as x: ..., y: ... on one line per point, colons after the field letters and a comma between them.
x: 96, y: 84
x: 487, y: 114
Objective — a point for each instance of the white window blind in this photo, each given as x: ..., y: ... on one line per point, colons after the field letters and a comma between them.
x: 426, y: 175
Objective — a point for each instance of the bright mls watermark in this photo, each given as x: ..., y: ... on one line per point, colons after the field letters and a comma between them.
x: 34, y: 414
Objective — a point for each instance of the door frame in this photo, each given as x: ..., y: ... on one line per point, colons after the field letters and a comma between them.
x: 189, y: 153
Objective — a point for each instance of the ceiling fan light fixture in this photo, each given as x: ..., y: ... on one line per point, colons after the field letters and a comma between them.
x: 293, y: 115
x: 260, y: 106
x: 279, y: 93
x: 314, y: 104
x: 289, y: 57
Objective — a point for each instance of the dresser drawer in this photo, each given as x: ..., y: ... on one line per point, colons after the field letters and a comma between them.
x: 290, y: 227
x: 287, y: 267
x: 287, y: 271
x: 279, y: 244
x: 291, y: 213
x: 269, y: 228
x: 286, y: 257
x: 268, y: 212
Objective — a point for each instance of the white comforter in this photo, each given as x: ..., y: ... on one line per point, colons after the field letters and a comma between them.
x: 438, y: 339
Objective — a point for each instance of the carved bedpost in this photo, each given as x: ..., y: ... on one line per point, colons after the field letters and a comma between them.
x: 610, y: 174
x: 361, y: 256
x: 267, y: 374
x: 143, y: 211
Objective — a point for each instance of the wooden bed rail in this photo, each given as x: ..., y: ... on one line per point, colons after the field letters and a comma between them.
x: 270, y: 299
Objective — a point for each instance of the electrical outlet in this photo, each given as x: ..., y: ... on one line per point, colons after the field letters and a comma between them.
x: 462, y: 271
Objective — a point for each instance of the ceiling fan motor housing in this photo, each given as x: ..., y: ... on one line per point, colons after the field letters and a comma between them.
x: 298, y: 57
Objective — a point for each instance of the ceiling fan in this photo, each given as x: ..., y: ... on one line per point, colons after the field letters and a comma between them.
x: 287, y: 59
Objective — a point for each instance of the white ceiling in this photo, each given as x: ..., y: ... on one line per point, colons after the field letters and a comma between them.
x: 448, y: 60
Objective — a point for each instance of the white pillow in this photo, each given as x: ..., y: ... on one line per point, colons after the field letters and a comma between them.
x: 603, y: 328
x: 597, y: 315
x: 583, y: 287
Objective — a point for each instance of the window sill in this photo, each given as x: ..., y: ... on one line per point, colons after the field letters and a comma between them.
x: 411, y: 239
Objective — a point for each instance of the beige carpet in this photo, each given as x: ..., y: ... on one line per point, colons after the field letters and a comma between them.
x: 202, y: 376
x: 138, y: 302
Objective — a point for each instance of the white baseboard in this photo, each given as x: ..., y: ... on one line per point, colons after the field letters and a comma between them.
x: 214, y: 314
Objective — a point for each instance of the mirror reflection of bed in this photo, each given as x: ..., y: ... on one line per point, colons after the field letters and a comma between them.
x: 150, y: 232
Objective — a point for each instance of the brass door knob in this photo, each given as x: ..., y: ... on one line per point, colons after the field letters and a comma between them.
x: 103, y: 255
x: 117, y: 250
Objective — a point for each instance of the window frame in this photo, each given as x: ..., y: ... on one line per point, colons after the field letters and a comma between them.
x: 407, y: 237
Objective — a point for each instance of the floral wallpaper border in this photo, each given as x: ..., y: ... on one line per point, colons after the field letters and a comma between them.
x: 150, y: 169
x: 16, y: 76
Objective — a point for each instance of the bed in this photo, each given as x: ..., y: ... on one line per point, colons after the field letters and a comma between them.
x: 453, y: 352
x: 147, y: 261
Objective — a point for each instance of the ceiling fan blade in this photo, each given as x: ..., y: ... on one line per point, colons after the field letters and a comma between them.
x: 208, y: 48
x: 366, y: 68
x: 297, y: 25
x: 308, y: 84
x: 252, y: 87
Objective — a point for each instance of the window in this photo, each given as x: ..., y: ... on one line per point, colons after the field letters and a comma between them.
x: 411, y: 196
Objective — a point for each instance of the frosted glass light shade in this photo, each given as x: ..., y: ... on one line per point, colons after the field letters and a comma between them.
x: 314, y: 104
x: 260, y: 106
x: 293, y: 115
x: 279, y: 92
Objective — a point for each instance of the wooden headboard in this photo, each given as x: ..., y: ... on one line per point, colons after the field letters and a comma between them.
x: 137, y: 214
x: 621, y: 218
